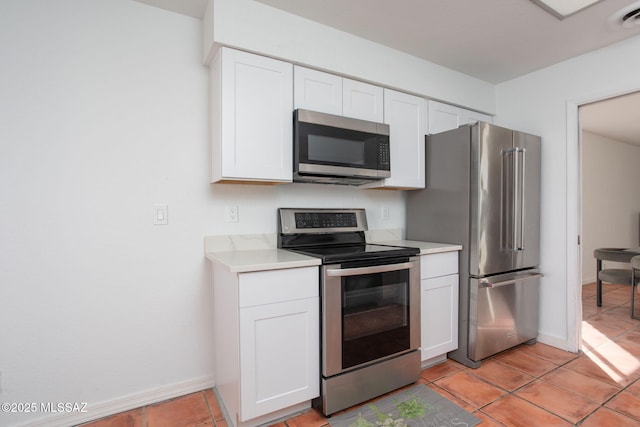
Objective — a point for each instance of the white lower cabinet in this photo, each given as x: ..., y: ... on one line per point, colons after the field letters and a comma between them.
x: 266, y: 341
x: 277, y: 355
x: 439, y: 304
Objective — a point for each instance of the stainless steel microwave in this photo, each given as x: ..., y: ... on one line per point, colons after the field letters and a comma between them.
x: 339, y: 150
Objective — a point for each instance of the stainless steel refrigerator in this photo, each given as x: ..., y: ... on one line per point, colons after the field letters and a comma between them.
x: 483, y: 192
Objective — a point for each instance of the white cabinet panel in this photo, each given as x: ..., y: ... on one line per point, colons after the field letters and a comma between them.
x: 328, y: 93
x: 439, y: 315
x: 317, y: 91
x: 439, y: 303
x: 440, y: 264
x: 362, y: 101
x: 405, y: 115
x: 267, y: 343
x: 266, y: 287
x: 280, y: 356
x: 251, y: 105
x: 443, y: 117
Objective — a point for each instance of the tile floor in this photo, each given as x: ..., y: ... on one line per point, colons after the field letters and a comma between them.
x: 527, y: 386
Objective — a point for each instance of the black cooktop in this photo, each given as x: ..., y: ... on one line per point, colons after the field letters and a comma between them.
x: 336, y: 254
x: 333, y: 235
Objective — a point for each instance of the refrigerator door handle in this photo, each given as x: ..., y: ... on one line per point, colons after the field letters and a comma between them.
x: 486, y: 283
x: 519, y: 199
x: 513, y: 182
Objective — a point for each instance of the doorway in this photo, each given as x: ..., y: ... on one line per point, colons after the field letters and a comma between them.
x: 606, y: 149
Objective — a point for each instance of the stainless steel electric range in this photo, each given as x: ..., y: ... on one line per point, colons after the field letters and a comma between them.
x: 370, y: 305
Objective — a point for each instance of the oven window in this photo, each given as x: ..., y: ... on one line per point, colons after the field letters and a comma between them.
x: 375, y: 316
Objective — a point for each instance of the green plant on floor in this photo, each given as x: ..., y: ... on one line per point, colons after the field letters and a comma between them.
x: 361, y: 422
x: 411, y: 409
x: 407, y: 410
x: 387, y: 420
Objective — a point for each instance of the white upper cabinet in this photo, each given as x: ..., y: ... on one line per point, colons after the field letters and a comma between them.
x: 443, y: 117
x: 362, y: 101
x: 327, y: 93
x: 252, y: 123
x: 317, y: 91
x: 406, y: 116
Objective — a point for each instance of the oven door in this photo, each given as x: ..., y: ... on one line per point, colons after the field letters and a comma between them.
x: 369, y: 313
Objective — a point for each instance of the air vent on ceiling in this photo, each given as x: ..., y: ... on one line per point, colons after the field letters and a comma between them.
x: 632, y: 18
x: 627, y: 17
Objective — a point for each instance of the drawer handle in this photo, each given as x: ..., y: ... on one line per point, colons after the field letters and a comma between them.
x: 486, y: 283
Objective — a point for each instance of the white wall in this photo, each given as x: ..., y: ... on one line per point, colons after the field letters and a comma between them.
x: 253, y: 26
x: 610, y: 198
x: 103, y: 112
x: 542, y: 103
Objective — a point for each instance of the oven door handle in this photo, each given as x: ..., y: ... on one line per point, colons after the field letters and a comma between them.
x: 369, y: 270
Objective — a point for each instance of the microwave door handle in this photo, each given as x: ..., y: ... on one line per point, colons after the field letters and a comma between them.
x: 339, y: 272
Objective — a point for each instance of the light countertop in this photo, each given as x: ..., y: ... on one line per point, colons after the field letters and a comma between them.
x: 241, y: 261
x: 245, y: 253
x: 425, y: 247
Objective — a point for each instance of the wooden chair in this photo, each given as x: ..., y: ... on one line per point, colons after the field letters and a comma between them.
x: 612, y: 275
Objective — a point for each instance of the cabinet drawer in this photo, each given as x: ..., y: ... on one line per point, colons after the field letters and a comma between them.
x: 268, y: 287
x: 440, y: 264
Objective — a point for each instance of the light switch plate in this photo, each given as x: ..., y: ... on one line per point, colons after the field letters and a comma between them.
x: 161, y: 214
x: 384, y: 213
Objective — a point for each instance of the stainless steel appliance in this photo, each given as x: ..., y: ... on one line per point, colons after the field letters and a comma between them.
x: 339, y: 150
x: 483, y: 192
x: 370, y: 305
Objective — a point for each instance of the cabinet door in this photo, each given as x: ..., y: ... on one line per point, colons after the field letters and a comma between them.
x: 439, y: 264
x: 439, y: 315
x: 279, y: 356
x: 254, y: 141
x: 362, y: 101
x: 443, y: 117
x: 406, y: 116
x: 317, y: 91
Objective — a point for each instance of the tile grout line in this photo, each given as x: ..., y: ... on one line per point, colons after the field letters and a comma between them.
x: 204, y: 396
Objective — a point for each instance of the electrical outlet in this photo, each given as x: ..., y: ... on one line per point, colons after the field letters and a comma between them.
x: 232, y: 214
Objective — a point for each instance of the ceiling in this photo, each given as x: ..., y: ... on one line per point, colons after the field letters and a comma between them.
x: 492, y: 40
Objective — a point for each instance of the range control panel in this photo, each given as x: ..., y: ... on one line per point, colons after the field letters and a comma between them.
x: 325, y: 220
x: 321, y: 220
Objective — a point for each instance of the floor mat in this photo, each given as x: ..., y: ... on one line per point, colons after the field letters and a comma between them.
x: 415, y: 406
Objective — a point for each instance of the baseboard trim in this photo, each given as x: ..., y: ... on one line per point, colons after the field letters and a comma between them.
x: 556, y: 342
x: 103, y: 409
